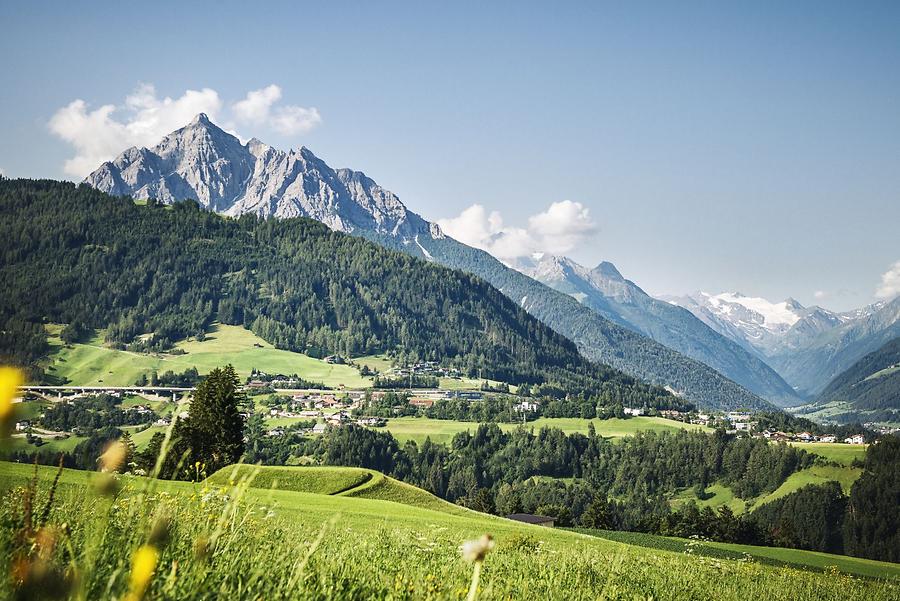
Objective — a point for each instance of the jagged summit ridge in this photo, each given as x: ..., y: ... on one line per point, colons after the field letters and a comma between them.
x: 203, y: 162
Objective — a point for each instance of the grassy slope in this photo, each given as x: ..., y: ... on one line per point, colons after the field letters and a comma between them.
x: 319, y: 480
x: 92, y: 363
x: 837, y: 452
x: 419, y: 428
x: 720, y: 496
x: 66, y: 444
x: 817, y: 474
x: 374, y: 549
x: 768, y: 555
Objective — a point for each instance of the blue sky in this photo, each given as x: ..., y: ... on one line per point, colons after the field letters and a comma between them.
x: 717, y: 146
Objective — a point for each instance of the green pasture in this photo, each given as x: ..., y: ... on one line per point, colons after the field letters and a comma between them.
x: 92, y: 363
x: 442, y: 431
x: 281, y: 544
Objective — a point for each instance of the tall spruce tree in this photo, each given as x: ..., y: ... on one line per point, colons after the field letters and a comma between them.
x: 212, y: 436
x: 215, y: 418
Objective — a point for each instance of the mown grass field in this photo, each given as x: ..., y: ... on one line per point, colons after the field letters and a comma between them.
x: 719, y: 496
x: 318, y: 480
x: 775, y: 556
x: 839, y: 453
x: 92, y: 363
x: 442, y: 431
x: 816, y: 474
x: 237, y: 542
x: 18, y: 443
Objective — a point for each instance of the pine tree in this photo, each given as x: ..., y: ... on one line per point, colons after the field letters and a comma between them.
x: 597, y: 514
x: 215, y: 426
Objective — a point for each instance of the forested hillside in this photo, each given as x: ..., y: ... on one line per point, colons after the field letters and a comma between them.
x: 597, y: 338
x: 151, y: 275
x: 873, y: 382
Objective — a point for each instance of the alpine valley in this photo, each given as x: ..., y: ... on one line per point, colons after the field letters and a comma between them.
x: 649, y: 340
x: 721, y: 351
x: 808, y: 346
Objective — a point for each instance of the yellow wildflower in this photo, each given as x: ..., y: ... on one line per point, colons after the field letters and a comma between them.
x: 10, y: 380
x: 143, y: 564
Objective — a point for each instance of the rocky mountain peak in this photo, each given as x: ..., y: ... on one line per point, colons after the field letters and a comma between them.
x: 607, y: 270
x: 201, y: 161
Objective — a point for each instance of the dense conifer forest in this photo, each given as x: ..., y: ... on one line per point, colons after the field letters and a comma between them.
x: 73, y: 255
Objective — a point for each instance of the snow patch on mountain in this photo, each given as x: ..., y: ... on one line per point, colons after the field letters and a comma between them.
x: 774, y: 317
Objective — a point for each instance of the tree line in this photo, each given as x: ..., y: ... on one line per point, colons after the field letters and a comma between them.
x: 73, y: 255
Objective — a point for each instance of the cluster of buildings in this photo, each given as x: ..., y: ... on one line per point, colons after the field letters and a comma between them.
x: 334, y: 420
x: 809, y: 437
x: 425, y: 368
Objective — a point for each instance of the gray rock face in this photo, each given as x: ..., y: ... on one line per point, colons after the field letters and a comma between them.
x: 204, y: 163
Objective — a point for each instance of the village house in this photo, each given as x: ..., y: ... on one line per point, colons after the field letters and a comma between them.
x: 421, y: 402
x: 338, y: 418
x: 527, y: 518
x: 855, y: 439
x: 828, y: 438
x: 635, y: 411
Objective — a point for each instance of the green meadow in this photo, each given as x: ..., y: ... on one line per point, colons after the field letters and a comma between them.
x: 837, y: 452
x: 775, y: 556
x: 816, y: 474
x: 92, y: 363
x: 442, y: 431
x: 268, y: 539
x: 720, y: 495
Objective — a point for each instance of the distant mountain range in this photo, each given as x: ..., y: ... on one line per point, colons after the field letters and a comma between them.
x: 807, y: 346
x: 607, y: 292
x: 205, y: 163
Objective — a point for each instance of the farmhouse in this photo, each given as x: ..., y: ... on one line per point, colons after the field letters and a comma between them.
x: 526, y: 406
x: 855, y: 439
x: 338, y: 418
x: 319, y: 428
x: 539, y: 520
x: 635, y: 411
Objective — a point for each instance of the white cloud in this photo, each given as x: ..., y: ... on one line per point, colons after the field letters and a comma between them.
x: 890, y: 282
x: 258, y: 107
x: 820, y: 294
x: 290, y: 120
x: 558, y: 230
x: 100, y: 134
